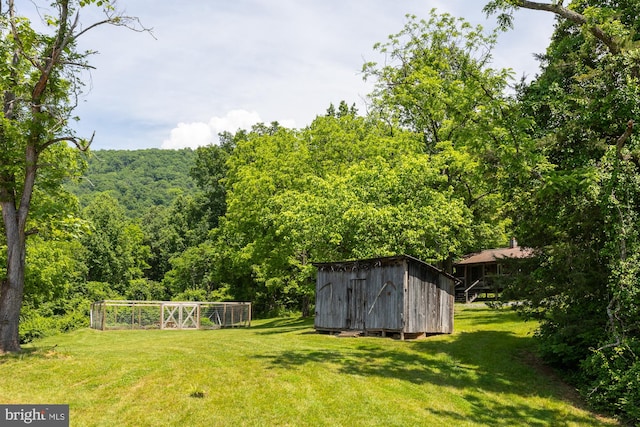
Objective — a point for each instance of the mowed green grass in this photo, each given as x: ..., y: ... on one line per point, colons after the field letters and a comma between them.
x: 280, y: 372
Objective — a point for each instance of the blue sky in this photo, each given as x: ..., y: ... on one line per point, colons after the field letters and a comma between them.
x: 223, y: 64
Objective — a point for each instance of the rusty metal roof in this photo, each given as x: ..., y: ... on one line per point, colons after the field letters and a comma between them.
x: 492, y: 255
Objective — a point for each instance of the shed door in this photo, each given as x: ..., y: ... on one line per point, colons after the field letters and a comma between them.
x: 356, y: 304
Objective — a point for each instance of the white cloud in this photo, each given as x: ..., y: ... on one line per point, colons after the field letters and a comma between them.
x: 234, y: 120
x: 191, y: 135
x: 197, y: 134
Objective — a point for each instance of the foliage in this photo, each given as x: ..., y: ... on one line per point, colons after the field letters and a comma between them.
x: 54, y: 300
x: 581, y: 211
x: 145, y: 289
x: 437, y: 81
x: 57, y: 298
x: 169, y: 231
x: 63, y: 315
x: 114, y: 246
x: 192, y: 270
x: 614, y: 375
x: 419, y: 176
x: 343, y: 188
x: 40, y: 78
x: 210, y: 170
x: 138, y: 179
x: 445, y: 163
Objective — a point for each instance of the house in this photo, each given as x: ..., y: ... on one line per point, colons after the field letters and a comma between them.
x: 398, y: 295
x: 476, y: 272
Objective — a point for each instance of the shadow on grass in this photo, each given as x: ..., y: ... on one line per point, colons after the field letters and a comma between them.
x: 486, y: 412
x: 284, y: 325
x: 30, y: 353
x: 482, y: 316
x: 476, y: 362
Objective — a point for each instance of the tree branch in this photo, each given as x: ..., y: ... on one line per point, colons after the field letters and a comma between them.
x: 81, y: 144
x: 122, y: 21
x: 623, y: 138
x: 573, y: 16
x: 18, y: 40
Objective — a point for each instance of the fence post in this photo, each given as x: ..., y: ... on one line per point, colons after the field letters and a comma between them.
x: 104, y: 315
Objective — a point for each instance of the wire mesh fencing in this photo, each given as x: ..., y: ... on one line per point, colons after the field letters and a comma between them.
x: 126, y: 314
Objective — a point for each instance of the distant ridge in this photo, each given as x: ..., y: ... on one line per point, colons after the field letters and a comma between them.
x: 138, y: 179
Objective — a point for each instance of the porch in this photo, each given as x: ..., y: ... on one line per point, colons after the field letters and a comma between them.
x: 479, y: 274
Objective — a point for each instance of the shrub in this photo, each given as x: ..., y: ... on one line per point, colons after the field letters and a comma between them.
x: 145, y: 290
x: 614, y: 380
x: 192, y: 295
x: 34, y: 326
x: 53, y: 317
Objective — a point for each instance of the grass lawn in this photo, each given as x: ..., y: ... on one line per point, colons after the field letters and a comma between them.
x: 280, y: 372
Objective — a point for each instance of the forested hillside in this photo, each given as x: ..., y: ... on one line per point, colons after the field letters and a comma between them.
x: 138, y: 179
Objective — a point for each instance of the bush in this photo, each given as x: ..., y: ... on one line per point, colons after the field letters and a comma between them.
x: 34, y: 326
x: 191, y: 295
x: 96, y: 291
x: 145, y: 290
x: 53, y: 317
x: 614, y: 380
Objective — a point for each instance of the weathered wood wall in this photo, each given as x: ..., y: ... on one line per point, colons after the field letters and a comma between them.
x: 429, y: 300
x: 395, y: 294
x: 359, y: 298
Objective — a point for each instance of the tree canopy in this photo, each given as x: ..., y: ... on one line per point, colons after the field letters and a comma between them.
x: 138, y: 179
x: 581, y: 211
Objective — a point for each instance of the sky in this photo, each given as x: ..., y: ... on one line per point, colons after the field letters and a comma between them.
x: 216, y: 65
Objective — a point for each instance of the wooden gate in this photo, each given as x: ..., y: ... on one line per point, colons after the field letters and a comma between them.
x: 180, y: 316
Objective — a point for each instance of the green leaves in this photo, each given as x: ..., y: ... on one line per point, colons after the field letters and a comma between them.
x: 435, y: 78
x: 115, y: 252
x: 582, y: 205
x: 343, y: 188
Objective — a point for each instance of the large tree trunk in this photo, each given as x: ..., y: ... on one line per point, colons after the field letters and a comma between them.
x: 15, y: 222
x: 12, y: 287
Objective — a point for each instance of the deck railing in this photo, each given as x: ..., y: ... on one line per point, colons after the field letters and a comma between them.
x: 466, y: 292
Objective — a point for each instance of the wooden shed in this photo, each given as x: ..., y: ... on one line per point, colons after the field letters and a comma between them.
x: 391, y: 295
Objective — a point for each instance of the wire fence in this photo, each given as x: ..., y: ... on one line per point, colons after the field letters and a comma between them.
x: 126, y: 314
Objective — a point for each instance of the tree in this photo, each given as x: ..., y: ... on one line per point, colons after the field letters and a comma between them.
x: 140, y: 179
x: 595, y: 20
x: 580, y: 211
x: 40, y: 80
x: 437, y: 81
x: 210, y: 170
x: 343, y: 188
x: 115, y: 251
x: 192, y: 269
x: 163, y: 239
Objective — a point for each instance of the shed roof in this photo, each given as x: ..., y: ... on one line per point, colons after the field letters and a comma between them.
x: 493, y: 255
x: 375, y: 262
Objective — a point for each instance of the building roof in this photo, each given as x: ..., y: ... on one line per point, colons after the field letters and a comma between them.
x: 365, y: 264
x: 492, y: 255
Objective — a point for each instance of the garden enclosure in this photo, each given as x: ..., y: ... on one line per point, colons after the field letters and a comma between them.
x: 121, y: 314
